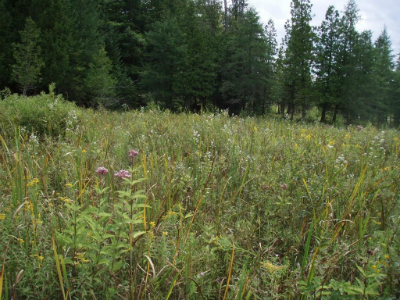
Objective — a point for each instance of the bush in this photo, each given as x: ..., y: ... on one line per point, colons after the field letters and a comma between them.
x: 44, y: 114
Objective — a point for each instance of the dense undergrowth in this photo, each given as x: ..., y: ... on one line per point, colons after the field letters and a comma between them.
x: 214, y: 208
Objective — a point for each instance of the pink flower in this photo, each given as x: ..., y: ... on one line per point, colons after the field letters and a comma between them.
x: 122, y: 174
x: 284, y: 186
x: 133, y: 153
x: 101, y: 171
x: 359, y: 127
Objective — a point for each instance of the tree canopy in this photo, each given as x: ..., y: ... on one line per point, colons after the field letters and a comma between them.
x: 187, y: 55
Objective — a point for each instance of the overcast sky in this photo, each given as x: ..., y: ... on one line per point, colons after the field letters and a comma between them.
x: 375, y: 14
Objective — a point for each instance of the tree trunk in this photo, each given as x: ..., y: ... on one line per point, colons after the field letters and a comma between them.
x: 335, y: 113
x: 226, y: 15
x: 323, y: 114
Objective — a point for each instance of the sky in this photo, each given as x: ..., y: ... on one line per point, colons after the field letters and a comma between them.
x: 375, y: 14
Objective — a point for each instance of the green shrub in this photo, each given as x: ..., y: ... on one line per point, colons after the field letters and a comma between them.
x: 44, y: 114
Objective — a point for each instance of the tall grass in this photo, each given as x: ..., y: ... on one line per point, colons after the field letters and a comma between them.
x: 215, y: 208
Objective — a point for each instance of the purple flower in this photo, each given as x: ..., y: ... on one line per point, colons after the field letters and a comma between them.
x: 133, y: 153
x: 101, y: 171
x: 122, y: 174
x: 265, y: 187
x: 284, y: 186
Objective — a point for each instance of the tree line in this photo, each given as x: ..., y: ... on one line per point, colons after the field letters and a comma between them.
x: 187, y: 55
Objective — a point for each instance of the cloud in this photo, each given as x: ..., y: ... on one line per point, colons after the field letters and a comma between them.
x: 374, y: 15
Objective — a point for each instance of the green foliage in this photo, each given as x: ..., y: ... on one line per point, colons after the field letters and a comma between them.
x: 45, y: 114
x: 284, y: 210
x: 27, y: 70
x: 100, y: 83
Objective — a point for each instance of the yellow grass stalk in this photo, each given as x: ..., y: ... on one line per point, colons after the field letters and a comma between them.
x: 230, y: 270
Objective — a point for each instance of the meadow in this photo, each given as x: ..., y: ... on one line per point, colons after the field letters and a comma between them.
x: 153, y: 205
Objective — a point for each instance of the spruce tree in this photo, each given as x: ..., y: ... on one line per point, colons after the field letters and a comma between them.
x: 326, y: 66
x: 28, y: 61
x: 5, y: 44
x: 347, y: 61
x: 383, y: 71
x: 298, y: 56
x: 100, y: 83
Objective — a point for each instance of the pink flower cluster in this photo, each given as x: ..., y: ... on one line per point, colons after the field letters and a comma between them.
x: 101, y: 171
x: 133, y: 153
x: 122, y: 174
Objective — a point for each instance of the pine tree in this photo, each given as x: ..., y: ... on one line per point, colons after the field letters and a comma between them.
x: 270, y: 56
x: 326, y: 66
x: 383, y: 71
x: 298, y: 56
x: 100, y: 83
x: 27, y: 69
x: 5, y: 44
x: 165, y: 51
x: 395, y: 103
x: 347, y: 61
x: 244, y: 70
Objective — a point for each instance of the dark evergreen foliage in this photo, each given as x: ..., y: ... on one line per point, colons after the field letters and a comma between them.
x: 188, y: 55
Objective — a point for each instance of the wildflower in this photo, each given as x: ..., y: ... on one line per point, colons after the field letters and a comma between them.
x: 359, y: 127
x: 21, y: 241
x: 387, y: 256
x: 265, y: 187
x: 153, y: 224
x: 374, y: 267
x: 122, y: 174
x: 101, y: 171
x: 133, y: 153
x: 284, y: 186
x: 165, y: 233
x: 69, y: 185
x: 2, y: 216
x: 83, y: 151
x: 33, y: 182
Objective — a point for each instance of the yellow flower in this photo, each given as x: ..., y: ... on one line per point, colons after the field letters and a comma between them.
x: 2, y: 216
x: 69, y: 185
x: 165, y: 233
x: 387, y: 256
x: 347, y: 136
x: 387, y: 168
x: 33, y: 182
x: 83, y: 151
x: 331, y: 143
x: 21, y: 241
x: 374, y: 267
x: 255, y: 128
x: 308, y: 137
x: 378, y: 271
x: 152, y: 224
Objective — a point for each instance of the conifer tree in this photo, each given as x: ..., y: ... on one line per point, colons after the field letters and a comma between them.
x: 28, y: 61
x: 100, y: 83
x: 347, y: 61
x: 298, y: 56
x: 5, y: 44
x: 326, y: 67
x: 383, y: 71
